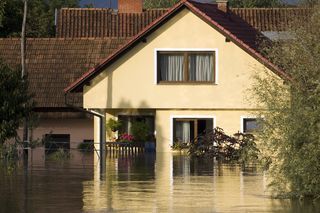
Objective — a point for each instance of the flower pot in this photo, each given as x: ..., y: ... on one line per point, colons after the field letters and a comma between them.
x: 149, y: 146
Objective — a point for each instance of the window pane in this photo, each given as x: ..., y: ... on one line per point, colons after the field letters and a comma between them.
x: 250, y: 125
x: 171, y: 67
x: 201, y: 67
x: 182, y: 132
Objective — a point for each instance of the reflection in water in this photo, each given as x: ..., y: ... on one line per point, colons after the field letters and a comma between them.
x: 175, y: 183
x: 145, y: 183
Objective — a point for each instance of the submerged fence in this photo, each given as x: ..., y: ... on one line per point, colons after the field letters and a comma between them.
x: 120, y: 148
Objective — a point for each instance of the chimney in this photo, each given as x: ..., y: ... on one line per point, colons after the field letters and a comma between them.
x: 130, y: 6
x: 223, y: 5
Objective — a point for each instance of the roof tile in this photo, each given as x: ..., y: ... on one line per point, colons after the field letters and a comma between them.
x: 54, y: 63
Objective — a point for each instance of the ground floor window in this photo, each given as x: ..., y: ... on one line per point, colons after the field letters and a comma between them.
x: 249, y: 125
x: 185, y: 130
x: 54, y: 142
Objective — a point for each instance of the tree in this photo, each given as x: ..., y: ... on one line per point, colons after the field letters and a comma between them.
x: 2, y: 6
x: 41, y: 17
x: 290, y: 131
x: 255, y: 3
x: 159, y: 3
x: 15, y: 103
x: 233, y: 3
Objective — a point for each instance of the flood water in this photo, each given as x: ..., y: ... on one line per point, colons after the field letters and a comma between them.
x: 141, y: 183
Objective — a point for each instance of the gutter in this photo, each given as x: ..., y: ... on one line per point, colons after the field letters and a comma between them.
x: 91, y: 112
x: 102, y: 132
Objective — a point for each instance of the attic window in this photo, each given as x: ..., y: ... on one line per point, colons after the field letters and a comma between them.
x: 186, y: 66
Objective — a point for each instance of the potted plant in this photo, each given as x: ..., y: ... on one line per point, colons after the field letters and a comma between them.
x: 143, y: 135
x: 113, y: 125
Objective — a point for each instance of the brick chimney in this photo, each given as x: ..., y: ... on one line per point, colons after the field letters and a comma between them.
x: 130, y: 6
x: 223, y: 5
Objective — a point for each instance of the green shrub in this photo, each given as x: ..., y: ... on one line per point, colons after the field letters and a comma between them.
x: 86, y: 146
x: 240, y: 148
x: 140, y: 131
x: 59, y: 155
x: 113, y: 125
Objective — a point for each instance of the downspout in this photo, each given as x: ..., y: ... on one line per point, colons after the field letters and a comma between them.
x: 102, y: 133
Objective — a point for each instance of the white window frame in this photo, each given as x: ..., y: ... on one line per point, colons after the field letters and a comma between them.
x: 242, y: 118
x: 156, y: 50
x: 172, y: 117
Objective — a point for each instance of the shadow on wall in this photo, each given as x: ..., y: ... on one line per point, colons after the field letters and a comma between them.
x: 142, y: 109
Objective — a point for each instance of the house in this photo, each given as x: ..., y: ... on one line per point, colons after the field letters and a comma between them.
x: 51, y: 64
x: 186, y: 72
x: 85, y: 37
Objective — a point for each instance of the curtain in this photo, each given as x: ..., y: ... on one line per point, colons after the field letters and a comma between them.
x: 201, y: 67
x: 171, y: 67
x: 183, y: 131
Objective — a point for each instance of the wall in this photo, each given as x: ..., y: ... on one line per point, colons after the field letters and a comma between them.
x: 130, y: 81
x: 79, y: 129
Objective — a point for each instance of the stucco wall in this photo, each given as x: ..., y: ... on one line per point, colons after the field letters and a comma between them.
x: 130, y: 81
x: 229, y: 120
x: 79, y: 129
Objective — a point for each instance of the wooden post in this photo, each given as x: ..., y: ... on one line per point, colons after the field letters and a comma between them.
x: 23, y: 74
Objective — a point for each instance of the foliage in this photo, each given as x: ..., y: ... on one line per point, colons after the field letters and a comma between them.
x: 86, y: 146
x: 40, y: 17
x: 215, y: 143
x: 9, y: 151
x: 140, y: 131
x: 309, y: 3
x: 59, y: 155
x: 159, y: 3
x: 233, y: 3
x: 113, y: 125
x: 2, y: 6
x: 179, y: 146
x: 15, y: 103
x: 255, y: 3
x: 290, y: 132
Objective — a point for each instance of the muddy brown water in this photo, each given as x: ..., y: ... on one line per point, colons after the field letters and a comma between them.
x: 140, y: 183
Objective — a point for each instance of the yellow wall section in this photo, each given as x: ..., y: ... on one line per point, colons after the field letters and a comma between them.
x: 130, y: 81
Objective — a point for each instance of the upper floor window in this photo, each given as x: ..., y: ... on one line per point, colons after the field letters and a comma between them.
x: 186, y: 66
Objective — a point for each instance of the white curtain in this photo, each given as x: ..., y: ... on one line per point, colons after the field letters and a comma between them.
x: 201, y: 67
x: 171, y: 67
x: 183, y: 133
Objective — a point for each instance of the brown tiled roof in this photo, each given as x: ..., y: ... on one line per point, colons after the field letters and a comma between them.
x: 52, y: 64
x: 93, y: 22
x: 77, y: 22
x: 272, y: 19
x: 231, y: 26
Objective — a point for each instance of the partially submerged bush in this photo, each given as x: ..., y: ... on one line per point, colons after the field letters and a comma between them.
x: 140, y: 131
x: 9, y: 151
x: 86, y: 146
x: 216, y: 144
x: 59, y: 155
x: 114, y: 125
